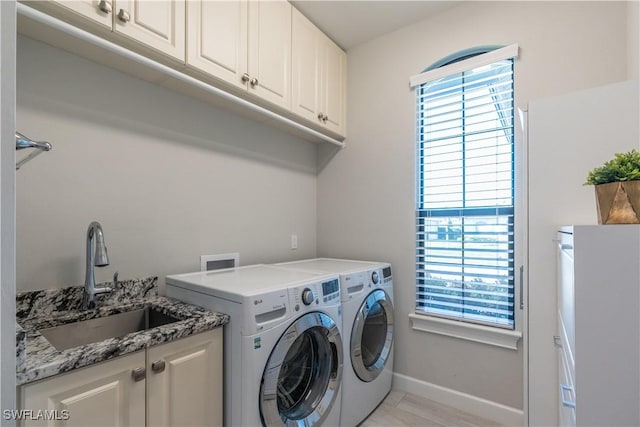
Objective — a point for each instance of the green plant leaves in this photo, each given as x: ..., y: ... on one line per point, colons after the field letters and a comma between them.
x: 623, y: 167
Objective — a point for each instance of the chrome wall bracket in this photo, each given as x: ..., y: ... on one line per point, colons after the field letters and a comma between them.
x: 23, y: 142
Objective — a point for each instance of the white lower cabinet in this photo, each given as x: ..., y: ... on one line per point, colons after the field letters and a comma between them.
x: 101, y: 395
x: 173, y: 384
x: 184, y: 382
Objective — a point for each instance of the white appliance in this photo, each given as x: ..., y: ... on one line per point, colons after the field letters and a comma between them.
x: 564, y: 140
x: 597, y: 338
x: 367, y: 316
x: 282, y: 346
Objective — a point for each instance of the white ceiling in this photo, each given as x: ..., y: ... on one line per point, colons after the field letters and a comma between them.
x: 350, y: 23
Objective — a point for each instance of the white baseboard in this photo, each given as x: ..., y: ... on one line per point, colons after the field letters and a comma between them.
x: 497, y: 412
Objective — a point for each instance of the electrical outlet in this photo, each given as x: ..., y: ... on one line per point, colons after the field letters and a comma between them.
x: 294, y: 242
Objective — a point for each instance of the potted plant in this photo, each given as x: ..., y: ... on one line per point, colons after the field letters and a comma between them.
x: 617, y: 185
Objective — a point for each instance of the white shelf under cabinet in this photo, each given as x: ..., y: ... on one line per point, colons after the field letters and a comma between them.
x: 599, y: 325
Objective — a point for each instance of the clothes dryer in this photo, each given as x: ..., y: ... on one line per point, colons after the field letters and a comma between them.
x: 367, y: 315
x: 282, y: 346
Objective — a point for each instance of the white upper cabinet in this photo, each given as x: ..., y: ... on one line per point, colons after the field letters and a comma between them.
x: 333, y: 86
x: 158, y: 24
x: 217, y: 39
x: 305, y: 76
x: 246, y: 44
x: 270, y: 51
x: 99, y: 11
x: 318, y: 77
x: 139, y: 24
x: 263, y: 51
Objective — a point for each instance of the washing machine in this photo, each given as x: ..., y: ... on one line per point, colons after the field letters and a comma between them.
x: 367, y: 316
x: 283, y: 355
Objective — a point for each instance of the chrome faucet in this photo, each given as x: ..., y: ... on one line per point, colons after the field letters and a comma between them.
x: 99, y: 259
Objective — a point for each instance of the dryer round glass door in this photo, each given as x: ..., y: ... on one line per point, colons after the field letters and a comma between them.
x: 303, y: 374
x: 372, y: 335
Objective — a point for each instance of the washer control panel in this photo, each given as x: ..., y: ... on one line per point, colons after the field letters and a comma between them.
x: 380, y: 277
x: 315, y: 294
x: 386, y: 275
x: 330, y: 290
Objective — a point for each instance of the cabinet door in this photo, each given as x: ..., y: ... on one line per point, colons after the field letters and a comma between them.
x: 217, y: 38
x: 270, y: 51
x: 305, y: 78
x: 333, y: 95
x: 100, y: 395
x: 99, y: 12
x: 184, y: 381
x: 158, y: 24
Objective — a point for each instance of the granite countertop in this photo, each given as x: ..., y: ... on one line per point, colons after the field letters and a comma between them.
x: 36, y: 358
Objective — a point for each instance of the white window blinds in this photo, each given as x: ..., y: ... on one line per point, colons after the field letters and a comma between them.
x: 465, y: 194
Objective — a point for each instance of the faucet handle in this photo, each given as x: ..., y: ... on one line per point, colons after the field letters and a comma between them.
x: 107, y: 289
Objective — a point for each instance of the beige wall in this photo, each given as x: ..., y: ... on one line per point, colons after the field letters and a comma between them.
x: 366, y: 193
x: 168, y: 177
x: 633, y: 47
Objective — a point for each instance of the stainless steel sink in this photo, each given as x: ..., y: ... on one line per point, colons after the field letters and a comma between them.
x: 99, y: 329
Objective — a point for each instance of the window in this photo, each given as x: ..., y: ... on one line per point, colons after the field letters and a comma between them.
x: 465, y: 191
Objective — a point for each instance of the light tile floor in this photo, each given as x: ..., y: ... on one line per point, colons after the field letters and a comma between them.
x: 405, y: 409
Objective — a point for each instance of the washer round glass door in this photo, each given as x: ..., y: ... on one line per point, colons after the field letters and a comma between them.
x: 303, y: 374
x: 372, y: 335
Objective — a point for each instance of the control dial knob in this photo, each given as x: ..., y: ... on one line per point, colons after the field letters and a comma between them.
x: 307, y: 296
x: 374, y: 277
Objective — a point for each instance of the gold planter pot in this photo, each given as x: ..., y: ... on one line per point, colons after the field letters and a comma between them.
x: 618, y: 202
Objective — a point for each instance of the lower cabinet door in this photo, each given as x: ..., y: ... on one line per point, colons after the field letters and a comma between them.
x: 105, y: 394
x: 184, y: 381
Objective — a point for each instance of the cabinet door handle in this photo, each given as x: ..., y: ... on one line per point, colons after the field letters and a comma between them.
x: 567, y: 403
x: 105, y: 6
x: 245, y: 78
x: 521, y: 287
x: 320, y: 116
x: 325, y: 118
x: 253, y: 82
x: 139, y: 374
x: 158, y: 366
x: 123, y: 16
x: 563, y: 246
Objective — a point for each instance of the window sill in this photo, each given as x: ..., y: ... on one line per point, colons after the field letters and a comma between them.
x: 466, y: 331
